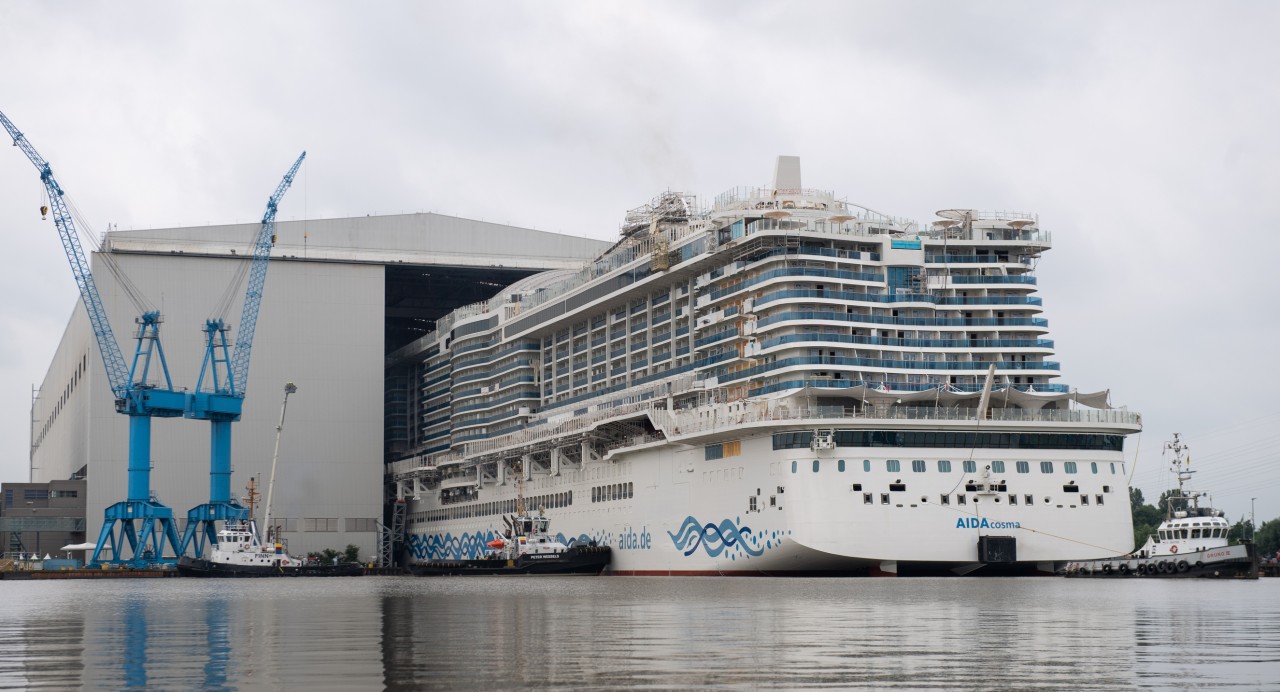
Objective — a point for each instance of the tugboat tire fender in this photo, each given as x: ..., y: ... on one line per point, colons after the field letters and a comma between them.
x: 1124, y: 569
x: 1183, y: 566
x: 1106, y: 569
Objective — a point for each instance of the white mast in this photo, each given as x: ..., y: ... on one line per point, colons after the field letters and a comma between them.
x: 289, y: 388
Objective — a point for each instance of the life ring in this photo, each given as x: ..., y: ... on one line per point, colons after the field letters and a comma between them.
x: 1183, y: 566
x: 1173, y: 549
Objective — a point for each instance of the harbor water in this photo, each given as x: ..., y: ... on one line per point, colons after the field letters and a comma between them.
x: 652, y: 633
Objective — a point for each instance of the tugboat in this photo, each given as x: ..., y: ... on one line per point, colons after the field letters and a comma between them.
x: 1190, y: 543
x: 239, y: 552
x: 526, y: 548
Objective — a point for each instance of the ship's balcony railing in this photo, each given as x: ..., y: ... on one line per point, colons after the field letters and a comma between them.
x: 810, y: 315
x: 723, y: 291
x: 898, y: 298
x: 698, y: 422
x: 523, y: 394
x: 822, y: 361
x: 832, y: 337
x: 811, y: 251
x: 971, y: 259
x: 833, y: 384
x: 748, y: 197
x: 502, y: 369
x: 969, y: 279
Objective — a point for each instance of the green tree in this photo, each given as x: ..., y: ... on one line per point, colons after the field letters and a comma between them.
x: 1166, y: 498
x: 352, y: 553
x: 1268, y: 538
x: 1146, y: 519
x: 1239, y: 531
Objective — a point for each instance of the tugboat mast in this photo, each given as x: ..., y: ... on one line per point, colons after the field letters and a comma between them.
x: 1182, y: 469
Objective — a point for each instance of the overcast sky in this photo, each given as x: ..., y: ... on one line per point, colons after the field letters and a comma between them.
x: 1143, y: 134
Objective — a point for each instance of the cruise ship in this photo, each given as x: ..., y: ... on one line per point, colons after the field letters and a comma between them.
x: 779, y: 383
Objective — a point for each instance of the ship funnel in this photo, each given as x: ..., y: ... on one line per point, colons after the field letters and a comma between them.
x: 786, y: 175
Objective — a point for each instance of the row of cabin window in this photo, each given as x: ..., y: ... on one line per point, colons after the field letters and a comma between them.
x: 614, y: 491
x: 944, y: 466
x: 868, y: 499
x: 1177, y: 534
x: 551, y: 501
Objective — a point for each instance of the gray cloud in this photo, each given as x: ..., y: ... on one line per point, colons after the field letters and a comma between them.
x: 1142, y: 133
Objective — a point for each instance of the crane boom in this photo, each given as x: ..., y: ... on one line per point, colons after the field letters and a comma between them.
x: 133, y: 545
x: 239, y: 368
x: 222, y: 406
x: 112, y: 358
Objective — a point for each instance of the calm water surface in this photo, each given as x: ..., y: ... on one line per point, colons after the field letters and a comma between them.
x: 653, y: 633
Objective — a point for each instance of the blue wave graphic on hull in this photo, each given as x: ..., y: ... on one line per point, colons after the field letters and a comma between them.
x: 715, y: 539
x: 448, y: 547
x: 471, y: 546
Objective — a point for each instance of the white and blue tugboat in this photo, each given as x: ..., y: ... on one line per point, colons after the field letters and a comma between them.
x: 525, y: 548
x: 1190, y: 542
x: 239, y: 553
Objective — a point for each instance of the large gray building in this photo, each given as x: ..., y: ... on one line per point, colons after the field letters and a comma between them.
x: 340, y: 295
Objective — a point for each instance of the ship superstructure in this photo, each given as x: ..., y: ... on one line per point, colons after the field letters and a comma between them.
x: 782, y: 383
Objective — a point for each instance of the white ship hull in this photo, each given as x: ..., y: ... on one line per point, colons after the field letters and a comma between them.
x: 680, y: 514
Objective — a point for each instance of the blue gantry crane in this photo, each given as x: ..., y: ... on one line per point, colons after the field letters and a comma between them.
x: 140, y: 523
x: 226, y: 374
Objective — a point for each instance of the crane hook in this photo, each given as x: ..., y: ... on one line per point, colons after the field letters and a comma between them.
x: 44, y: 212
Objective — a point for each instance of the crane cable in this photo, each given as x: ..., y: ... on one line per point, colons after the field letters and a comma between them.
x: 93, y: 241
x: 233, y: 290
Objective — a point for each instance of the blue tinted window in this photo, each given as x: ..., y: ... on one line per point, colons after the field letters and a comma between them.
x: 866, y: 464
x: 793, y: 467
x: 1046, y: 467
x: 997, y: 466
x: 944, y: 466
x: 840, y: 466
x: 1069, y: 466
x: 1023, y: 467
x: 892, y: 465
x: 970, y: 466
x: 1093, y: 466
x: 917, y: 465
x: 815, y: 465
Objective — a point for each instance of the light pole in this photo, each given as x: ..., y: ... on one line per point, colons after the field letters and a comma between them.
x: 1253, y: 526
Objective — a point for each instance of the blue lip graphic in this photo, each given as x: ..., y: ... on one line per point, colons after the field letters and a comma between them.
x: 714, y: 539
